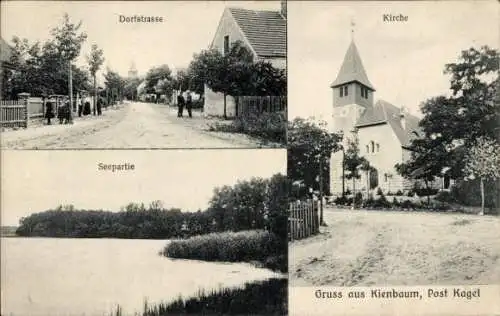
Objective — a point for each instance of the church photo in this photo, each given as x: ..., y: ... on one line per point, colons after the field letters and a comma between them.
x: 393, y: 146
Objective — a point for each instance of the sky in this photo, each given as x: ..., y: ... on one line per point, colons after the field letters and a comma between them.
x: 188, y: 28
x: 404, y: 61
x: 34, y: 181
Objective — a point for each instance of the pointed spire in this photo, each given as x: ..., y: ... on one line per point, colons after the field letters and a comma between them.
x: 352, y: 68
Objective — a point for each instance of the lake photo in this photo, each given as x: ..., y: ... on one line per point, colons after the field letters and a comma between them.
x: 170, y: 236
x: 59, y: 276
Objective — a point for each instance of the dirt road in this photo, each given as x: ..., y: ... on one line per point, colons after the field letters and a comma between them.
x: 132, y: 125
x: 364, y: 248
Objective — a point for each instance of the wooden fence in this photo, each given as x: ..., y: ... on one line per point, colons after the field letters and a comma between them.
x: 246, y: 105
x: 14, y: 113
x: 17, y: 113
x: 303, y: 220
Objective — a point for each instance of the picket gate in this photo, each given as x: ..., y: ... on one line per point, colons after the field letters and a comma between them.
x: 303, y: 220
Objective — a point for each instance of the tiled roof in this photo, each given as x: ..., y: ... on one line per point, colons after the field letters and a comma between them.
x: 385, y: 113
x: 352, y: 69
x: 265, y: 30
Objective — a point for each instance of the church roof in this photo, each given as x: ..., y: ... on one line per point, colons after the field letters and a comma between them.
x: 352, y: 69
x: 265, y: 30
x: 384, y: 112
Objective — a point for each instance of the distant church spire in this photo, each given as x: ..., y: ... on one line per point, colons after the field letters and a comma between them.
x: 132, y: 73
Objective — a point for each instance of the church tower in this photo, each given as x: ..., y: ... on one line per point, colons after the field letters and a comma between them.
x: 132, y: 73
x: 352, y: 96
x: 352, y: 92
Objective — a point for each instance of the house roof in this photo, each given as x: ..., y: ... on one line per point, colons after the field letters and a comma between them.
x: 352, y: 69
x: 265, y: 30
x: 5, y: 52
x: 384, y: 112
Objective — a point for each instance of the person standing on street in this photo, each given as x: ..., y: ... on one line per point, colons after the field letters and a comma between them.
x: 189, y: 103
x: 49, y: 111
x: 180, y: 104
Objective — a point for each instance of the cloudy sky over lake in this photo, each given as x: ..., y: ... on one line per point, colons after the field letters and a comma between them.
x: 403, y: 60
x: 188, y: 27
x: 34, y: 181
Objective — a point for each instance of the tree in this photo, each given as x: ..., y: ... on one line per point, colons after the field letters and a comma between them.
x: 310, y: 146
x: 353, y: 162
x: 483, y: 162
x: 115, y: 85
x: 68, y: 42
x: 95, y: 61
x: 452, y: 124
x: 157, y: 79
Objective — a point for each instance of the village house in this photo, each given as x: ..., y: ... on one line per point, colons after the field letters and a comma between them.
x: 262, y: 32
x: 384, y: 131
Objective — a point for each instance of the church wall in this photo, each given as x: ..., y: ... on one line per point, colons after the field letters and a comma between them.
x: 345, y: 117
x: 389, y: 154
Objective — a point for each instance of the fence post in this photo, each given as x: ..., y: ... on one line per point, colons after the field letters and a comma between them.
x: 24, y: 97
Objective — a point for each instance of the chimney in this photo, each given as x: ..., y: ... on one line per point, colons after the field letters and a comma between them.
x: 402, y: 114
x: 283, y: 8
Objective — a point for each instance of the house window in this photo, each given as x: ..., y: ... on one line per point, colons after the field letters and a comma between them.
x: 226, y: 44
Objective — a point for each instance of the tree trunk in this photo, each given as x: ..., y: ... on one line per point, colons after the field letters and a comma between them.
x: 482, y: 197
x: 225, y: 111
x: 368, y: 184
x: 95, y: 95
x: 70, y: 83
x: 353, y: 192
x: 428, y: 196
x: 321, y: 222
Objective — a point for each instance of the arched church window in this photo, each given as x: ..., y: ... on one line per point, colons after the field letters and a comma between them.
x: 341, y: 92
x: 373, y: 146
x: 367, y: 148
x: 378, y: 147
x: 346, y: 90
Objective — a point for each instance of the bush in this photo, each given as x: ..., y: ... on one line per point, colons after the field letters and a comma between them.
x: 379, y: 191
x: 395, y: 202
x: 469, y: 193
x: 444, y: 196
x: 341, y: 200
x: 399, y: 193
x: 358, y: 198
x: 411, y: 193
x: 407, y: 204
x: 267, y: 126
x: 426, y: 191
x: 382, y: 202
x: 244, y: 246
x: 348, y: 192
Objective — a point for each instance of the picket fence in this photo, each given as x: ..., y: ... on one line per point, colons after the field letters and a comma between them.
x: 303, y: 220
x: 14, y: 113
x: 247, y: 105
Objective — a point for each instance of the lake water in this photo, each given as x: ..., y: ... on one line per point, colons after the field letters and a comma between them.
x: 48, y: 276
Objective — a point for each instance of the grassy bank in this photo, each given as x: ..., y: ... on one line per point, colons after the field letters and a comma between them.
x: 259, y: 298
x: 256, y: 246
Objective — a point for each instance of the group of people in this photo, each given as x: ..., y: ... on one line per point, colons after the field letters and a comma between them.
x: 63, y: 111
x: 185, y: 102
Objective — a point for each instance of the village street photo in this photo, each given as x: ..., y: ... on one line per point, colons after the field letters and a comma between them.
x: 106, y: 75
x: 198, y: 232
x: 395, y: 166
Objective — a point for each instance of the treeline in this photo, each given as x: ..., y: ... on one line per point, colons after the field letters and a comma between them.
x: 248, y: 205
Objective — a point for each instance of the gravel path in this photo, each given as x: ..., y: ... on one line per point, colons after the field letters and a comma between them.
x: 133, y: 125
x: 365, y: 248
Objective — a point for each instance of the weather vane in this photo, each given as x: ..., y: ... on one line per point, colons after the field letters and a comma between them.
x: 353, y: 24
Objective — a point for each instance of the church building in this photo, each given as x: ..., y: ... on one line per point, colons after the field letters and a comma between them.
x: 384, y: 131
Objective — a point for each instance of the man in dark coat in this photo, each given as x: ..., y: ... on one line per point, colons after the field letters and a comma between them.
x: 180, y: 104
x: 189, y: 103
x: 49, y: 111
